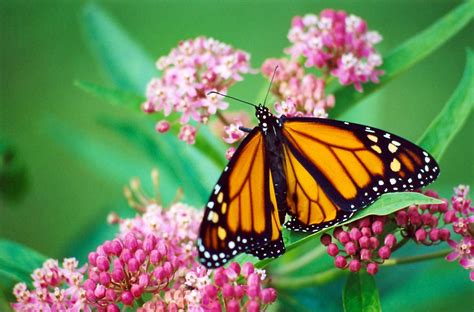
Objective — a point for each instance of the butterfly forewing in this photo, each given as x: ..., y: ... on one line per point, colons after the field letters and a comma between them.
x: 240, y: 214
x: 355, y: 164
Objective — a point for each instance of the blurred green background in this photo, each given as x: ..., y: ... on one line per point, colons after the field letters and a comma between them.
x: 44, y: 50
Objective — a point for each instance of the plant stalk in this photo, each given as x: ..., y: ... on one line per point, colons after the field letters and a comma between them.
x: 418, y: 258
x: 307, y: 281
x: 300, y: 262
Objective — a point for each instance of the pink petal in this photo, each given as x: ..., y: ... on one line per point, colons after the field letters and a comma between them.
x: 452, y: 256
x: 452, y: 243
x: 464, y: 262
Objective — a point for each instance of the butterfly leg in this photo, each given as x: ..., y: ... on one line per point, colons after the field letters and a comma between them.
x: 245, y: 129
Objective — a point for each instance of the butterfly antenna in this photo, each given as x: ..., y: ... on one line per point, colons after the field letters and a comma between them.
x: 231, y: 97
x: 270, y: 86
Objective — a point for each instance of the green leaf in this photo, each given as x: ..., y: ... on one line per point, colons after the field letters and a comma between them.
x: 386, y: 204
x: 127, y: 64
x: 17, y: 262
x: 454, y: 114
x: 361, y: 294
x: 409, y: 53
x: 117, y: 97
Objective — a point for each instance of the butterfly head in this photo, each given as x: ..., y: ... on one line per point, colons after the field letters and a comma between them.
x: 265, y: 117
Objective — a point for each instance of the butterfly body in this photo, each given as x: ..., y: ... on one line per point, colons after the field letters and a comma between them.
x: 270, y: 126
x: 306, y: 174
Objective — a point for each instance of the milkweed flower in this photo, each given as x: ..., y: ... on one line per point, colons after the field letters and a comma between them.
x: 233, y: 132
x: 191, y: 286
x: 188, y: 73
x: 178, y: 224
x: 124, y: 270
x: 232, y: 289
x: 56, y: 288
x: 462, y: 219
x: 421, y: 223
x: 298, y: 93
x: 360, y: 244
x: 338, y: 44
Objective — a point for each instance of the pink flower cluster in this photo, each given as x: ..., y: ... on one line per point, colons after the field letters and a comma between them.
x: 189, y: 73
x: 461, y: 216
x: 336, y: 43
x: 178, y: 223
x: 55, y: 288
x: 421, y: 223
x: 360, y: 244
x: 151, y: 264
x: 231, y: 289
x: 299, y: 94
x: 123, y: 270
x: 364, y: 243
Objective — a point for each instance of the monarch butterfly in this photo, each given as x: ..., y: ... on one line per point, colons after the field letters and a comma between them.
x: 317, y: 171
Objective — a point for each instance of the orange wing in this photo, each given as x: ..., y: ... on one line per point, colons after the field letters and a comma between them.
x: 309, y: 206
x: 241, y: 214
x: 334, y: 168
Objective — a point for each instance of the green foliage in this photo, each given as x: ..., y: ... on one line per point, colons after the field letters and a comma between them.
x: 454, y: 114
x: 17, y: 262
x: 361, y: 294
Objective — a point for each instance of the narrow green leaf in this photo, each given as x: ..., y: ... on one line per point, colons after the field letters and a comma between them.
x: 361, y: 294
x: 386, y: 204
x: 17, y: 262
x: 127, y: 64
x: 454, y: 114
x: 409, y: 53
x: 117, y: 97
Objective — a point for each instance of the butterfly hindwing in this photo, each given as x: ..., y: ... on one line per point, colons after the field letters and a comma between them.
x: 309, y: 207
x: 355, y: 164
x: 241, y: 214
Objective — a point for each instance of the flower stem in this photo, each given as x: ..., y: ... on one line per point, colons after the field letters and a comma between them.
x: 307, y: 281
x: 300, y: 262
x: 222, y: 118
x: 413, y: 259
